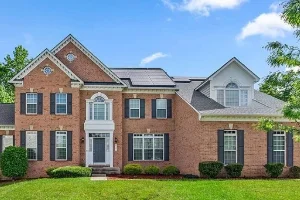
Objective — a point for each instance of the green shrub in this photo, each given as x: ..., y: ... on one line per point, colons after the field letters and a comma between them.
x: 274, y: 169
x: 49, y: 171
x: 234, y: 170
x: 295, y: 172
x: 210, y: 169
x: 170, y: 170
x: 152, y: 170
x: 71, y: 172
x: 133, y: 169
x: 14, y: 162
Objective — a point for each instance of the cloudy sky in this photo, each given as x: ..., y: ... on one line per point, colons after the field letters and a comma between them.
x: 184, y: 37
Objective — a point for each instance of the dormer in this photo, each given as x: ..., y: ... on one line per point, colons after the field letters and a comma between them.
x: 232, y: 85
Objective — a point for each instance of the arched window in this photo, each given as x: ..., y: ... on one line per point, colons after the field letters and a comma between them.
x: 99, y: 107
x: 232, y: 96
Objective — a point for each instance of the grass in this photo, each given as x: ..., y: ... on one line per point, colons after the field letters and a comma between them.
x: 83, y: 188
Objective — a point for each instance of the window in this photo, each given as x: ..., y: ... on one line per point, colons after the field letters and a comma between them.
x: 232, y: 96
x: 230, y: 147
x: 7, y: 140
x: 99, y: 109
x: 61, y: 103
x: 31, y: 145
x: 134, y: 108
x: 148, y: 147
x: 31, y: 103
x: 61, y: 145
x: 279, y: 147
x: 161, y: 108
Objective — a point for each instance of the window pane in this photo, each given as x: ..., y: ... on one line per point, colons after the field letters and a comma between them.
x: 159, y: 154
x: 61, y: 140
x: 158, y: 143
x: 244, y: 97
x: 31, y: 153
x: 7, y: 140
x: 161, y: 103
x: 232, y: 97
x: 91, y: 111
x: 31, y: 140
x: 134, y: 103
x: 138, y: 143
x: 138, y: 154
x: 61, y: 108
x: 107, y: 111
x: 61, y: 98
x: 161, y: 113
x: 31, y: 98
x: 31, y: 108
x: 229, y: 157
x: 99, y: 111
x: 278, y: 156
x: 231, y: 85
x: 148, y: 154
x: 134, y: 113
x: 61, y: 153
x: 229, y: 143
x: 148, y: 143
x: 220, y: 96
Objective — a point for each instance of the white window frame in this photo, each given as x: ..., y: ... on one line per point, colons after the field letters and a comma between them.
x: 27, y: 113
x: 162, y: 109
x: 106, y: 117
x: 152, y: 136
x: 233, y: 89
x: 35, y: 133
x: 236, y: 145
x: 65, y: 133
x: 3, y: 138
x: 139, y: 108
x: 279, y: 133
x: 56, y: 103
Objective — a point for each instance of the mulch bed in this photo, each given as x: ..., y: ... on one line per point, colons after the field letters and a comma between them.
x: 143, y: 176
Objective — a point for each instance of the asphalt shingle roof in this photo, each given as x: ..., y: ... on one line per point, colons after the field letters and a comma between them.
x: 7, y: 114
x: 261, y: 105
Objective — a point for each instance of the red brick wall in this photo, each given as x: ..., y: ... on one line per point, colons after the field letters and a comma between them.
x: 196, y: 141
x: 82, y: 66
x: 46, y: 122
x: 155, y: 126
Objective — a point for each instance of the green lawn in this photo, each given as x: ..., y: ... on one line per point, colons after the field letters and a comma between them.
x: 83, y: 188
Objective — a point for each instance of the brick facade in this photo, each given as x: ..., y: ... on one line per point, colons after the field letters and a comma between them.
x: 191, y: 140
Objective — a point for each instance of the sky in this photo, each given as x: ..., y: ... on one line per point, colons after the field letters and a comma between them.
x: 184, y: 37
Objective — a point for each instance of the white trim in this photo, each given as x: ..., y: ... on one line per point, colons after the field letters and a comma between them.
x: 102, y: 87
x: 99, y: 94
x: 7, y: 127
x: 42, y: 56
x: 66, y: 104
x: 240, y: 118
x: 35, y: 133
x: 66, y: 134
x: 275, y: 133
x: 139, y: 108
x: 36, y: 104
x: 236, y: 145
x: 84, y: 50
x: 256, y: 78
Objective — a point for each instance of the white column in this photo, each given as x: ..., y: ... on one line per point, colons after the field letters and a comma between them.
x: 111, y: 139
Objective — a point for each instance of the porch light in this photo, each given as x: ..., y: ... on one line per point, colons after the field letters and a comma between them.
x: 116, y: 140
x: 82, y: 139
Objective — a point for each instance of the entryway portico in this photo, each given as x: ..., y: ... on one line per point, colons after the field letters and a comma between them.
x: 99, y: 128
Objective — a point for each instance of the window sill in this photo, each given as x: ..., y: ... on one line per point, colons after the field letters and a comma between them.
x: 135, y: 118
x: 60, y: 160
x: 149, y: 161
x: 162, y: 118
x: 61, y: 114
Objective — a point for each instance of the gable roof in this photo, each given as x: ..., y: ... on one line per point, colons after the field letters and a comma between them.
x: 234, y: 59
x: 35, y: 62
x: 71, y: 38
x: 144, y: 77
x: 7, y: 114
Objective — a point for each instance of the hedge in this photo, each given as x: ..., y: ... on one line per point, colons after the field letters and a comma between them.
x: 133, y: 169
x: 69, y: 172
x: 210, y: 169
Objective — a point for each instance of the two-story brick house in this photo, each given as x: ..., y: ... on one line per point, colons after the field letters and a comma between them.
x: 71, y: 109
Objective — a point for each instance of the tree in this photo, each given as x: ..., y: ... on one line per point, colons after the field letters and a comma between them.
x: 285, y: 85
x: 8, y: 69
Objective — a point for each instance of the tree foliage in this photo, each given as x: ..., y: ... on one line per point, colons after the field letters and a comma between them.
x: 8, y: 69
x: 285, y: 85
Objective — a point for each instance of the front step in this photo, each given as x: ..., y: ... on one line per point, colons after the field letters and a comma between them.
x: 98, y: 175
x: 103, y: 169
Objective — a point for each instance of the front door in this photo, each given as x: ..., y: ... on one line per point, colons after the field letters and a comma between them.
x: 99, y: 150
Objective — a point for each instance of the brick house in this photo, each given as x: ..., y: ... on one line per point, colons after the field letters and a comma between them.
x: 71, y: 109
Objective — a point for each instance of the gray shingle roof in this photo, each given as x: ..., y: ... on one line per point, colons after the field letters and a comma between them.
x: 261, y: 105
x: 144, y: 77
x: 7, y: 114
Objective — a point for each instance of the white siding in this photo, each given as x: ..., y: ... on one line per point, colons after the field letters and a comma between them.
x: 205, y: 89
